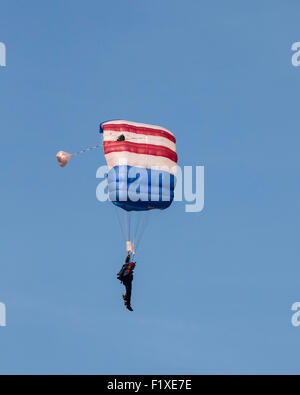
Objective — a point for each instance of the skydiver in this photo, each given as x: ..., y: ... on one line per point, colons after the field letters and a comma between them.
x: 125, y: 275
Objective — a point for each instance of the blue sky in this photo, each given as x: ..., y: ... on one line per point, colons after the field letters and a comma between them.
x: 213, y: 290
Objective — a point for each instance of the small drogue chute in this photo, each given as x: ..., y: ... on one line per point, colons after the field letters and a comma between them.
x: 63, y: 158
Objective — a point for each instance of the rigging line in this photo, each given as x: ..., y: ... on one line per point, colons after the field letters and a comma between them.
x: 145, y: 225
x: 137, y: 225
x: 120, y: 223
x: 87, y: 149
x: 128, y: 226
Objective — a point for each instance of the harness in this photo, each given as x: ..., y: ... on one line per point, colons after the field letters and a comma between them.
x: 126, y: 270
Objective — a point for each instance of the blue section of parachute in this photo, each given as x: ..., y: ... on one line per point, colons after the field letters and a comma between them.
x: 140, y: 189
x: 102, y: 123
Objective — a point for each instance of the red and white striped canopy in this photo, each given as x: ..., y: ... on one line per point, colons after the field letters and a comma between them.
x: 139, y: 145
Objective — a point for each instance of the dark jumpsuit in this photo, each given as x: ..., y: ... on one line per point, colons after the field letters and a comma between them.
x: 126, y: 279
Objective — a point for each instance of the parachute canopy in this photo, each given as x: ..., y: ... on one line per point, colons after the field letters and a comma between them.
x: 142, y: 164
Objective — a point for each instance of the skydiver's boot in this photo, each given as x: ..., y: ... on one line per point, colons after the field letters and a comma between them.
x: 128, y: 306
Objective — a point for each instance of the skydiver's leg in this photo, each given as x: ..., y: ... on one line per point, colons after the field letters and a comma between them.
x: 128, y: 292
x: 127, y: 297
x: 124, y: 294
